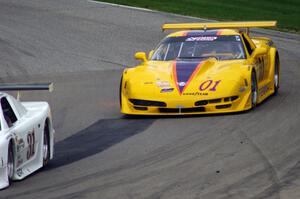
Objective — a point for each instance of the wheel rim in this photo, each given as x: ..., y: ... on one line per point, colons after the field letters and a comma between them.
x: 276, y: 76
x: 45, y: 147
x: 10, y: 165
x: 254, y: 90
x: 276, y: 80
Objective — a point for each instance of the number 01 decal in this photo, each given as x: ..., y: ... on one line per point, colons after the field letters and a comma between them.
x: 209, y: 84
x: 31, y: 142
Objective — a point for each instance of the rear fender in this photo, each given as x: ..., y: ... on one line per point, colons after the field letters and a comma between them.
x: 272, y: 57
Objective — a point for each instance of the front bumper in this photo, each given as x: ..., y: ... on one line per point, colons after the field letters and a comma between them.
x: 189, y: 107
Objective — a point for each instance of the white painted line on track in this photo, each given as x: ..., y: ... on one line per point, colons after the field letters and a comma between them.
x: 149, y: 10
x: 122, y: 6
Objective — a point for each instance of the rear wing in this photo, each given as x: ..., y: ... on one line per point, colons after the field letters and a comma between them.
x: 219, y: 25
x: 26, y: 87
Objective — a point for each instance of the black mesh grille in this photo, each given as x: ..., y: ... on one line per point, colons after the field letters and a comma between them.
x: 201, y: 103
x: 230, y: 99
x: 212, y: 101
x: 138, y: 102
x: 140, y: 108
x: 223, y: 106
x: 205, y: 102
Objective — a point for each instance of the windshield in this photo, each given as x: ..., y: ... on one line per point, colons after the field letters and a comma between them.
x: 196, y: 47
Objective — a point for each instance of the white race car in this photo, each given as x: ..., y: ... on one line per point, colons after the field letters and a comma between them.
x: 26, y: 134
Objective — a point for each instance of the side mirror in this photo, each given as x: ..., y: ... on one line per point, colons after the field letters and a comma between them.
x: 150, y: 54
x: 141, y: 56
x: 258, y: 51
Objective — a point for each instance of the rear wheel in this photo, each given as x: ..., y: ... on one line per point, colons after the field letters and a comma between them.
x: 276, y: 75
x: 254, y: 92
x: 46, y: 145
x: 10, y: 163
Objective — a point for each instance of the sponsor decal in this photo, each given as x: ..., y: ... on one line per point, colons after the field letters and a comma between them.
x: 263, y: 90
x: 19, y: 160
x: 166, y: 90
x: 197, y: 33
x: 146, y: 83
x: 195, y: 94
x: 20, y: 172
x: 20, y: 144
x: 181, y: 84
x: 163, y: 84
x: 202, y: 38
x: 183, y: 73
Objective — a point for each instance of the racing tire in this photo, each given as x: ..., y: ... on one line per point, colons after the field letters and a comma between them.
x: 10, y: 163
x: 46, y: 145
x: 120, y: 92
x: 276, y: 75
x: 254, y: 92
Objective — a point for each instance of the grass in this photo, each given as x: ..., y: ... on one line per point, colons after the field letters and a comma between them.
x: 286, y: 12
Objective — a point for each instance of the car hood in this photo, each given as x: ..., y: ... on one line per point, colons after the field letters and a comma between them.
x: 186, y: 78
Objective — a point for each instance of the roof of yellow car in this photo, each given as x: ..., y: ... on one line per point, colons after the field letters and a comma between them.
x: 204, y: 32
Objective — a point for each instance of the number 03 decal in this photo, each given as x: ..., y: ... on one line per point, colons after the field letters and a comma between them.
x: 209, y: 84
x: 31, y: 142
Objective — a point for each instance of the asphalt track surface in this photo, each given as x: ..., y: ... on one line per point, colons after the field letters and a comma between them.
x: 82, y: 47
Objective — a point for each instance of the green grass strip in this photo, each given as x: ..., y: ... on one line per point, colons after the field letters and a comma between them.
x: 286, y: 12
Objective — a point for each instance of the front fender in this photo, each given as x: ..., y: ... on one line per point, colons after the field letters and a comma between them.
x: 4, y: 142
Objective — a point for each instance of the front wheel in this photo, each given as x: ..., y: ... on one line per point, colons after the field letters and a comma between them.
x: 46, y: 145
x: 254, y: 92
x: 120, y: 92
x: 10, y: 163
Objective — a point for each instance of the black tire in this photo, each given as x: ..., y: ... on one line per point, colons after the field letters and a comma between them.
x: 254, y: 92
x: 46, y: 145
x: 120, y: 92
x: 10, y: 163
x: 276, y: 75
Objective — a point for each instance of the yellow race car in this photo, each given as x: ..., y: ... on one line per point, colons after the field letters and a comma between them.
x: 202, y: 68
